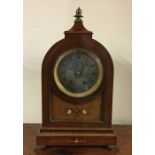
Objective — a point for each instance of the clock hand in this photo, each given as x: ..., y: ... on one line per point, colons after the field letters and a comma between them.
x: 86, y: 88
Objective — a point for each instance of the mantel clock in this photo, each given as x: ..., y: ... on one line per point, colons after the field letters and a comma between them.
x: 77, y: 84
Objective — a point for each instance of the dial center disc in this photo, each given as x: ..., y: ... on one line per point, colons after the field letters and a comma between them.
x: 77, y: 73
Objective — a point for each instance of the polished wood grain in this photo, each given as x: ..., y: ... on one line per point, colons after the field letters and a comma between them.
x: 124, y: 141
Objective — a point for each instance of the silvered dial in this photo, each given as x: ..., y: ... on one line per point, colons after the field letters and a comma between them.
x: 78, y: 72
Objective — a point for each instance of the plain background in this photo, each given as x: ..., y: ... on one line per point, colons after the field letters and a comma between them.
x: 45, y: 22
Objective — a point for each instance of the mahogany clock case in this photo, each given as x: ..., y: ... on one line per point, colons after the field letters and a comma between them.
x: 100, y: 102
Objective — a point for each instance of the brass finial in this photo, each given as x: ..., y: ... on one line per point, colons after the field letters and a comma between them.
x: 78, y: 14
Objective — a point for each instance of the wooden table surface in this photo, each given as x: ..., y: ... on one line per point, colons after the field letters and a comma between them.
x: 124, y: 141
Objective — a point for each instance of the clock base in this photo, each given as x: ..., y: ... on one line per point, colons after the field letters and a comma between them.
x: 68, y: 149
x: 76, y: 137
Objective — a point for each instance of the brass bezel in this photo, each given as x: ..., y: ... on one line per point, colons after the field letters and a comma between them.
x: 93, y: 88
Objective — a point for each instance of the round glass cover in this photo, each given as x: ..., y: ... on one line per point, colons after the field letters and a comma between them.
x: 78, y: 72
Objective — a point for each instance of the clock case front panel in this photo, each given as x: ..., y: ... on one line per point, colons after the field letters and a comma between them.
x: 83, y: 113
x: 52, y: 97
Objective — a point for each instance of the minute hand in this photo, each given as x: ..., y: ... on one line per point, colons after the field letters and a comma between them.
x: 82, y: 67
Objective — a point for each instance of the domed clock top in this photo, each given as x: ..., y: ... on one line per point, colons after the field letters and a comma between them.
x: 78, y: 72
x: 78, y: 26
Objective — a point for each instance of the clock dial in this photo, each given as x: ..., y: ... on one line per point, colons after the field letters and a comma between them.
x: 78, y: 72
